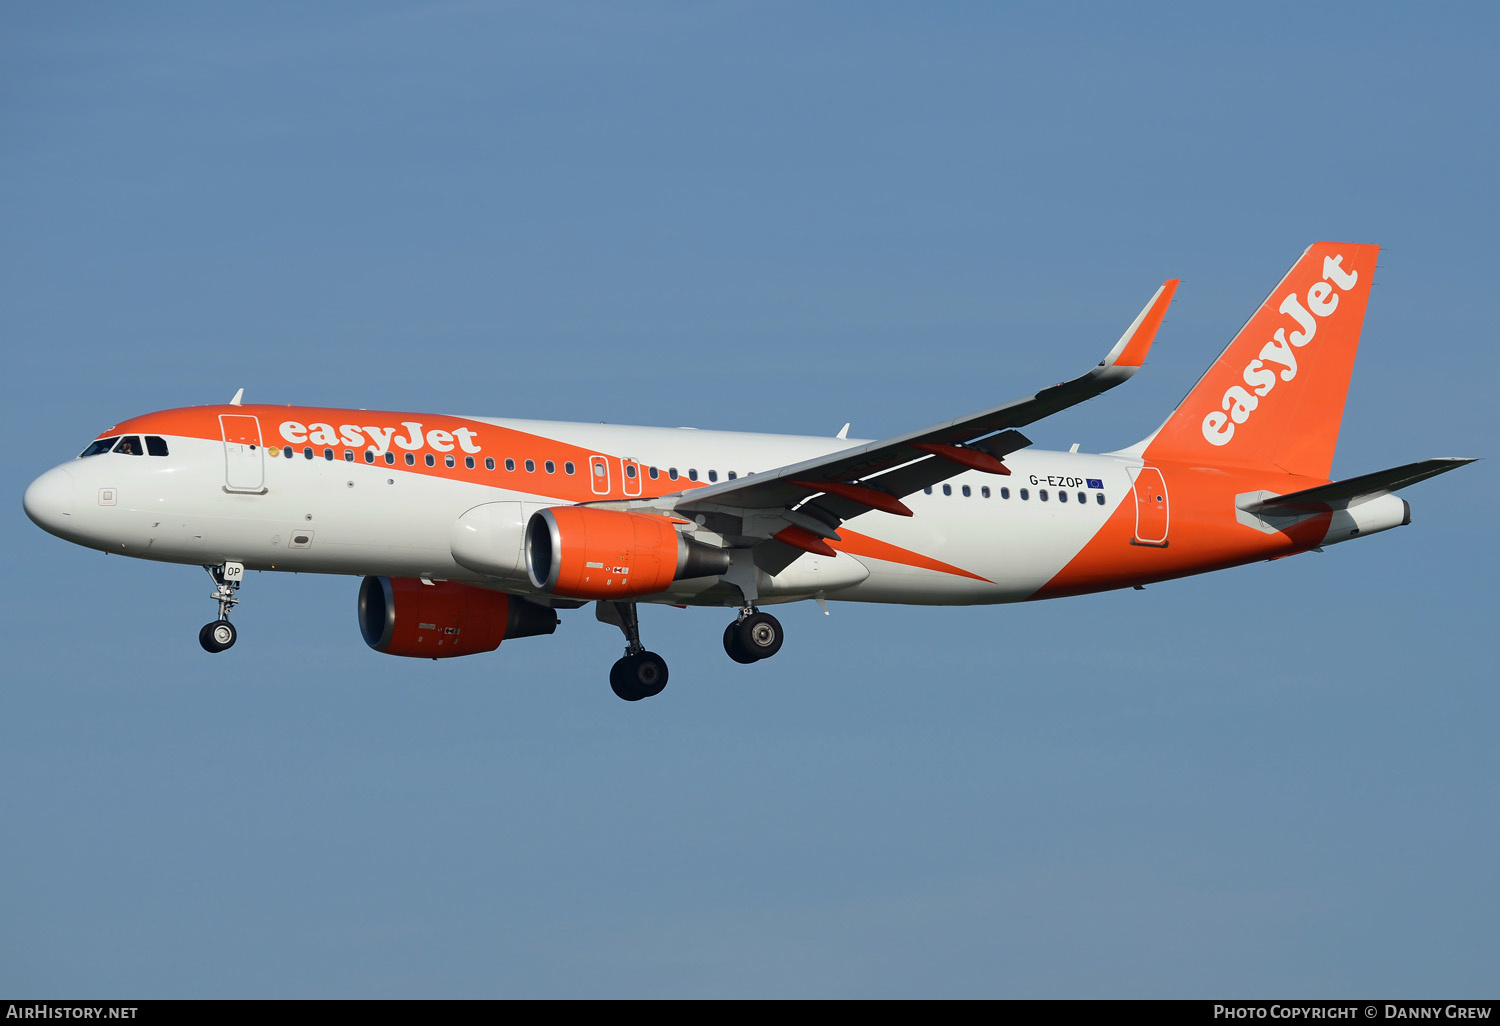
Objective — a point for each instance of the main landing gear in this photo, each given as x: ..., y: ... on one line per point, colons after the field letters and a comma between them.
x: 219, y: 635
x: 753, y: 636
x: 640, y: 674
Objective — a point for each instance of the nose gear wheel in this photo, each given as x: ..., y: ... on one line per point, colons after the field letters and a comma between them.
x: 219, y: 635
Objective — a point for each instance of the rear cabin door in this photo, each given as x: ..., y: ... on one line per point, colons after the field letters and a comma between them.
x: 1151, y: 509
x: 244, y: 455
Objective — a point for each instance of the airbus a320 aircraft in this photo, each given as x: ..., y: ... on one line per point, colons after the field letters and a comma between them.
x: 470, y: 530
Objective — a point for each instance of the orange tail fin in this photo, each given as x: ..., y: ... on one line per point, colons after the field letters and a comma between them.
x: 1275, y: 396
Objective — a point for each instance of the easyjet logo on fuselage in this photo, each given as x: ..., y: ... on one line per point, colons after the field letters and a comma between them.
x: 380, y: 438
x: 1239, y: 401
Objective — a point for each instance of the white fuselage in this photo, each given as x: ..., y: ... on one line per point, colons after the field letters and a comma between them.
x: 319, y: 515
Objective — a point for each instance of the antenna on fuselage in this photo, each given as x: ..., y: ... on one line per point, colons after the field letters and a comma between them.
x: 237, y: 397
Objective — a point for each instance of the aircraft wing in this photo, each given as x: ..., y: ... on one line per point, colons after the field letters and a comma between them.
x: 813, y: 497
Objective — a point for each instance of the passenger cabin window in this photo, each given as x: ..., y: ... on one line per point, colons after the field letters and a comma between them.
x: 692, y: 474
x: 984, y: 491
x: 1041, y: 493
x: 348, y: 455
x: 713, y: 475
x: 653, y: 472
x: 550, y: 466
x: 1004, y: 493
x: 328, y: 454
x: 629, y: 470
x: 102, y: 445
x: 489, y: 463
x: 927, y: 490
x: 390, y: 458
x: 569, y: 469
x: 732, y: 475
x: 130, y: 445
x: 307, y: 452
x: 672, y: 473
x: 369, y: 455
x: 156, y: 446
x: 1099, y: 497
x: 947, y: 489
x: 510, y: 464
x: 469, y: 462
x: 966, y: 491
x: 531, y: 466
x: 287, y: 451
x: 1062, y: 496
x: 1082, y: 498
x: 431, y: 460
x: 411, y: 459
x: 1025, y: 495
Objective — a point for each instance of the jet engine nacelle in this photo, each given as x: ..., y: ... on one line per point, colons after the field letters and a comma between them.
x: 406, y: 617
x: 589, y: 553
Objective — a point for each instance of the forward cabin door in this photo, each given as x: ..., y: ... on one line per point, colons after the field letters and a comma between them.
x: 1152, y: 514
x: 244, y: 455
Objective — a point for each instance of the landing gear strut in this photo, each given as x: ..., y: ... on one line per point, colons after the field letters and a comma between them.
x: 640, y: 674
x: 753, y: 637
x: 219, y: 635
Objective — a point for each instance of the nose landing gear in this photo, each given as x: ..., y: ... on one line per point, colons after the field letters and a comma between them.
x: 219, y: 635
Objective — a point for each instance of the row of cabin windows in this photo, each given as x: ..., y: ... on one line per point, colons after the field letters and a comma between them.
x: 308, y: 452
x: 128, y: 445
x: 1025, y: 494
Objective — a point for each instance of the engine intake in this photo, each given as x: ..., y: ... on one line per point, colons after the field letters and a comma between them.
x: 588, y: 553
x: 405, y: 617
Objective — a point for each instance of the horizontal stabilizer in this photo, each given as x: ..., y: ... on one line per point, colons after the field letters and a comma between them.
x: 1354, y: 490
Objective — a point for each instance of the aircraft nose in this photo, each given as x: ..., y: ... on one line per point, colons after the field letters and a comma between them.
x: 49, y: 500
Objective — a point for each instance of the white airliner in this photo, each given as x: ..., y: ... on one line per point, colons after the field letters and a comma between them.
x: 472, y: 530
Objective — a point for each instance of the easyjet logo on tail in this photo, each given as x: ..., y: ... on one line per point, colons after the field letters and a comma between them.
x: 1278, y: 357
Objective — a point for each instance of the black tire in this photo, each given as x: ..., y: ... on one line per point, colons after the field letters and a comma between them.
x: 732, y: 646
x: 759, y: 635
x: 217, y: 636
x: 650, y: 674
x: 621, y: 681
x: 638, y: 676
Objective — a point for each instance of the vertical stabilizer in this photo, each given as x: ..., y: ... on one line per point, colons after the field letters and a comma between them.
x: 1275, y: 396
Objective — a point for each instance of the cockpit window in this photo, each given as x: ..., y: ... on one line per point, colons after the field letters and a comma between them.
x: 156, y: 445
x: 130, y: 445
x: 102, y: 445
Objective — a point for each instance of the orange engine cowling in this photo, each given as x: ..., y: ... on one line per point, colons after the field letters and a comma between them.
x: 405, y: 617
x: 589, y: 553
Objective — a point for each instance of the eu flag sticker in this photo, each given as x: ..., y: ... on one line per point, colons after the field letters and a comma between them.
x: 1094, y: 482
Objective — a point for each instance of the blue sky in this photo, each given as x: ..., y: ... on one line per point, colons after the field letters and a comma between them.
x: 1278, y: 780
